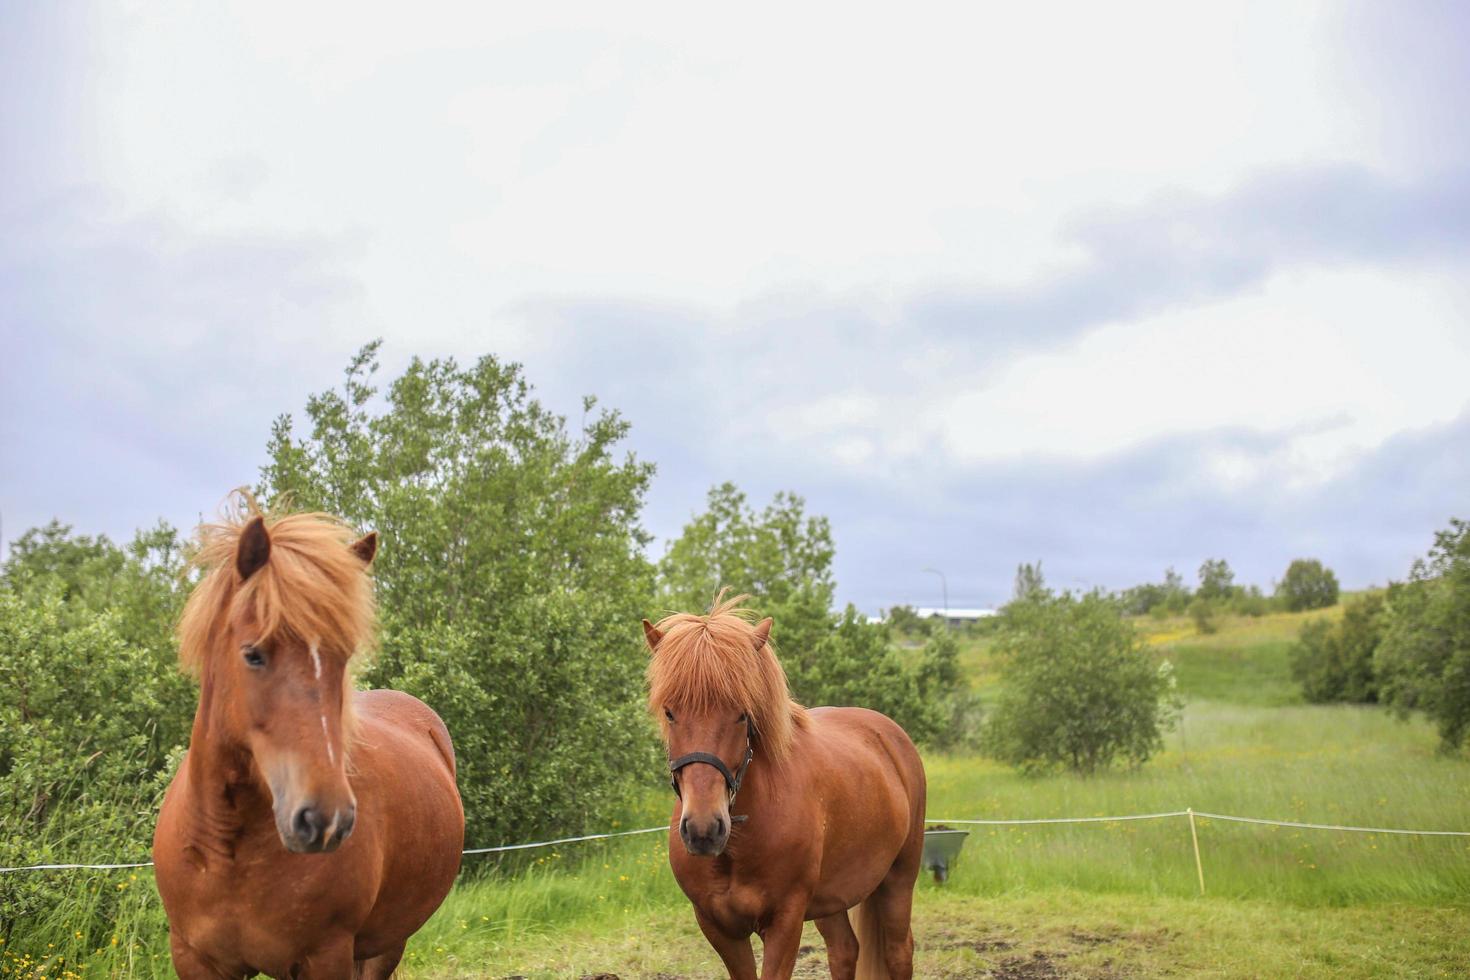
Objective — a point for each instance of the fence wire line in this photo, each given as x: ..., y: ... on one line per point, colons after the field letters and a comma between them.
x: 986, y: 823
x: 1013, y: 823
x: 562, y: 840
x: 1331, y: 826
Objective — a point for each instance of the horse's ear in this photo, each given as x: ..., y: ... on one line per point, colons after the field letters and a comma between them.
x: 254, y: 549
x: 651, y: 634
x: 762, y: 634
x: 366, y: 547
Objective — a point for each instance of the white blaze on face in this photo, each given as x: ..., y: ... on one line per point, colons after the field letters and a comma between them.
x: 316, y: 663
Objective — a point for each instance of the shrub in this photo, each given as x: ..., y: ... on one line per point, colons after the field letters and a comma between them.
x: 905, y: 622
x: 1204, y: 612
x: 82, y: 721
x: 1078, y: 688
x: 511, y: 578
x: 1307, y: 584
x: 1423, y: 659
x: 1249, y: 601
x: 1334, y: 661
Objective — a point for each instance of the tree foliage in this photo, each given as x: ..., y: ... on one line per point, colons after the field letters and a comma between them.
x: 1216, y: 580
x: 93, y: 708
x: 511, y: 578
x: 1078, y: 688
x: 1334, y: 661
x: 782, y: 558
x: 1307, y: 584
x: 1423, y: 660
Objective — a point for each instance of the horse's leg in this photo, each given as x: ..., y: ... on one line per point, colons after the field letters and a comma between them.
x: 842, y: 945
x: 895, y: 908
x: 782, y: 940
x: 738, y: 957
x: 380, y: 967
x: 332, y: 960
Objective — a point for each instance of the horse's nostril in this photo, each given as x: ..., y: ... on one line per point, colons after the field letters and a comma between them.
x: 308, y: 824
x: 345, y: 821
x: 719, y: 826
x: 684, y: 828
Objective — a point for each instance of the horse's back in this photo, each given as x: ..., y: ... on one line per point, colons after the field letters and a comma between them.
x: 864, y: 733
x: 404, y: 712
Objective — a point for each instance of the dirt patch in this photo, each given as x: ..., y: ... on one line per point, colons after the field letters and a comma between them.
x: 978, y: 945
x: 1037, y: 966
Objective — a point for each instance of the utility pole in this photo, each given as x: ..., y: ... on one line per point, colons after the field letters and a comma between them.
x: 944, y: 585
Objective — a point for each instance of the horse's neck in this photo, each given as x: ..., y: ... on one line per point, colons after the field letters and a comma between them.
x: 223, y: 796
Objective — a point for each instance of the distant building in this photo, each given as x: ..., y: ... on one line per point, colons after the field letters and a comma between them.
x: 953, y: 616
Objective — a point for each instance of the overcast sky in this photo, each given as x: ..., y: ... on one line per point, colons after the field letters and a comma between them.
x: 1115, y: 286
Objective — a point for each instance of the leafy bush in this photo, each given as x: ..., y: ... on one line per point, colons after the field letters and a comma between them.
x: 1250, y: 601
x: 1205, y: 614
x: 1158, y: 599
x: 905, y: 622
x: 782, y: 558
x: 1423, y: 660
x: 1078, y: 688
x: 1308, y: 584
x: 511, y: 578
x: 83, y: 722
x: 1334, y: 661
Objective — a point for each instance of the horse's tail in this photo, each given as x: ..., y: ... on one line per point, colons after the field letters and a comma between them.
x: 872, y: 963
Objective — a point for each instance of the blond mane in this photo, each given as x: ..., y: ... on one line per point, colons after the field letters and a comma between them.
x: 710, y: 661
x: 314, y: 587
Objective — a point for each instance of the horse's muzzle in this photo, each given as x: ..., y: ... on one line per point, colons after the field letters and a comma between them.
x: 313, y: 830
x: 705, y: 838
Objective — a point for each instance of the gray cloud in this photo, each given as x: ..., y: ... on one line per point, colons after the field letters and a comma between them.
x: 144, y: 363
x: 1181, y: 249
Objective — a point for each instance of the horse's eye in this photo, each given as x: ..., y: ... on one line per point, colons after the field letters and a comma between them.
x: 668, y: 714
x: 744, y: 719
x: 253, y: 657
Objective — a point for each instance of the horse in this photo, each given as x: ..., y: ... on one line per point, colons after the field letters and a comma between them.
x: 830, y: 801
x: 310, y: 829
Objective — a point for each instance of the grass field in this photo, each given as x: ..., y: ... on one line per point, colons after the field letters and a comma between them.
x: 1093, y: 900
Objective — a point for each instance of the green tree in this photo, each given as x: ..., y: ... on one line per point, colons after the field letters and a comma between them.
x: 782, y: 558
x: 1307, y: 584
x: 1079, y: 690
x: 511, y: 577
x: 1029, y: 582
x: 1334, y: 661
x: 1423, y: 660
x: 1216, y: 580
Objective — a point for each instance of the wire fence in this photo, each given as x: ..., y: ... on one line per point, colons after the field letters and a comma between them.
x: 1188, y: 813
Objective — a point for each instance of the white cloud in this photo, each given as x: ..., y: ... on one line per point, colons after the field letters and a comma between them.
x: 1342, y: 359
x: 485, y: 153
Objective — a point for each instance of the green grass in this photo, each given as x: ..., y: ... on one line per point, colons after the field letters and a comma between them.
x: 1091, y: 900
x: 1020, y: 935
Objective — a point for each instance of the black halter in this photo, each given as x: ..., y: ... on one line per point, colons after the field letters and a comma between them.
x: 732, y: 780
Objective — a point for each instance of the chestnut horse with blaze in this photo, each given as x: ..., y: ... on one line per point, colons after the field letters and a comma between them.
x: 784, y: 814
x: 310, y: 829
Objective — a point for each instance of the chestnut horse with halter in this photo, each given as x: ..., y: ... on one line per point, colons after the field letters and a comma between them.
x: 310, y: 830
x: 828, y: 805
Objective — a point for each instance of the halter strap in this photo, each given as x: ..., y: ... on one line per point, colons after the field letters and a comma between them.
x: 732, y: 780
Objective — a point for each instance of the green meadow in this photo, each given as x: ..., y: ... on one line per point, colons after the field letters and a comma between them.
x: 1105, y: 899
